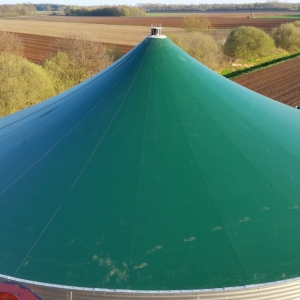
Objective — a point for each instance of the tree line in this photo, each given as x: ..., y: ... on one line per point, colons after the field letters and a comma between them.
x: 120, y: 10
x: 28, y: 9
x: 7, y: 10
x: 49, y: 7
x: 268, y: 5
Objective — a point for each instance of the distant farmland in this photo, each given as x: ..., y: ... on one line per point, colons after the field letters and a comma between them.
x: 224, y: 14
x: 280, y: 82
x: 105, y: 33
x: 38, y: 36
x: 218, y: 20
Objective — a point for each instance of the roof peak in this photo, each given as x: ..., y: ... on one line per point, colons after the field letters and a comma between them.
x: 156, y: 31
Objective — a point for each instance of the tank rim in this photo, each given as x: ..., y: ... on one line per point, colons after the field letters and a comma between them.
x: 121, y: 291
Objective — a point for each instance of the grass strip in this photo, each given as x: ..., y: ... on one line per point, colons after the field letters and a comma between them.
x: 261, y: 66
x: 279, y: 17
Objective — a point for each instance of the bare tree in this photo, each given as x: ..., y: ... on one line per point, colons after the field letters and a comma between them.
x: 200, y: 46
x: 64, y: 72
x: 89, y: 54
x: 196, y: 23
x: 11, y: 43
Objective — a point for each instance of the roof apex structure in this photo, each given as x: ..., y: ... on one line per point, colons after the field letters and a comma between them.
x: 156, y: 177
x: 156, y: 32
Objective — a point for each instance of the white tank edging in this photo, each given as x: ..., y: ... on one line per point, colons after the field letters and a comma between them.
x: 157, y: 36
x: 283, y: 289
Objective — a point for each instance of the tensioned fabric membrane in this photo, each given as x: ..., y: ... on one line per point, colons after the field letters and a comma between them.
x: 155, y: 174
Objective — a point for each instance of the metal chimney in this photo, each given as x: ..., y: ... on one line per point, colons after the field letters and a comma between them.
x: 156, y: 29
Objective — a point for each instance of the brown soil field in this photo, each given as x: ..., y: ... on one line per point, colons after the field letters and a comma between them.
x: 266, y: 24
x: 280, y: 82
x: 38, y: 48
x: 218, y: 20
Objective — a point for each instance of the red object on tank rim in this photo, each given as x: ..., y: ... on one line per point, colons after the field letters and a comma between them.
x: 16, y: 291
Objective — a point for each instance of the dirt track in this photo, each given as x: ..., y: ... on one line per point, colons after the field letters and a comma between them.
x: 280, y: 82
x: 219, y: 20
x: 40, y: 47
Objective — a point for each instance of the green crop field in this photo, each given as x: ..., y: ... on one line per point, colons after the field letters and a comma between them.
x: 281, y: 17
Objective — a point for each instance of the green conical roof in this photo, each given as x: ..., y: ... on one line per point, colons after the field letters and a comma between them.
x: 155, y: 174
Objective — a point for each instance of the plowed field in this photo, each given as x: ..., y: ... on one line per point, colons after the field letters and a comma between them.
x: 219, y: 20
x: 37, y: 47
x: 40, y: 47
x: 280, y: 82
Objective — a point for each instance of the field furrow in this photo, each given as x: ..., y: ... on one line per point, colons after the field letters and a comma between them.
x: 280, y: 82
x: 38, y: 48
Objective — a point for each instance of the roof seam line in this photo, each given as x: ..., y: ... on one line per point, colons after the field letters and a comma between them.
x: 206, y: 186
x: 38, y: 162
x: 252, y: 163
x: 101, y: 139
x: 136, y: 205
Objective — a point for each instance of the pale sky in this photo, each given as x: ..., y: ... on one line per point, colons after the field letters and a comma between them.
x: 130, y: 2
